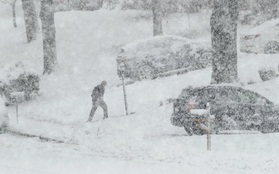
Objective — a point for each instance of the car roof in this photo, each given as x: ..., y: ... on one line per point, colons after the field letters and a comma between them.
x: 154, y: 40
x: 222, y: 86
x: 160, y: 45
x: 214, y: 86
x: 262, y: 28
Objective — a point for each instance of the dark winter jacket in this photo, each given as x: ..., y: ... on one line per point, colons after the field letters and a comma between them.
x: 98, y: 92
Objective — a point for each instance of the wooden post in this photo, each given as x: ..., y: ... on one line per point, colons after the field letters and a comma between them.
x: 16, y: 112
x: 125, y: 96
x: 208, y: 127
x: 16, y: 98
x: 208, y: 135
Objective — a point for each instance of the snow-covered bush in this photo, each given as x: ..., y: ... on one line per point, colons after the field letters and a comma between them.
x: 267, y: 73
x: 169, y: 6
x: 4, y: 119
x: 272, y: 47
x: 87, y: 5
x: 17, y: 79
x: 132, y: 4
x: 27, y: 83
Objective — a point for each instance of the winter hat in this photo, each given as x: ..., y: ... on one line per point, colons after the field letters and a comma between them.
x: 104, y: 83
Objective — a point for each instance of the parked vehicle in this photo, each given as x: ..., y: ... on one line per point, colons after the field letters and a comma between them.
x: 261, y: 39
x: 234, y: 108
x: 160, y: 55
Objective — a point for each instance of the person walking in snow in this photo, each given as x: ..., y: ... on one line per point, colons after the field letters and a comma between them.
x: 97, y: 100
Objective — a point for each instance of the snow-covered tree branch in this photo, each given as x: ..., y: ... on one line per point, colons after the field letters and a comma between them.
x: 13, y: 4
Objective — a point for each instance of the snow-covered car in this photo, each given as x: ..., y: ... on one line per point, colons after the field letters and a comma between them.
x: 160, y: 55
x: 4, y: 119
x: 234, y: 108
x: 261, y: 39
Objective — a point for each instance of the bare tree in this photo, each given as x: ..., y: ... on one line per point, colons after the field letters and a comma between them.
x: 30, y: 18
x: 13, y: 4
x: 49, y: 36
x: 157, y: 17
x: 224, y: 41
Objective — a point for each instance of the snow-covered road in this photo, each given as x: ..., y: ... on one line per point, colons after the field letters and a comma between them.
x: 31, y: 156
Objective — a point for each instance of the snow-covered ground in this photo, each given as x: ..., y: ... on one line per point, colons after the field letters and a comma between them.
x: 145, y: 142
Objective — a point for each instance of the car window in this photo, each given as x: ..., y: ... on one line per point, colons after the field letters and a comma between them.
x: 249, y: 97
x: 204, y: 96
x: 227, y: 94
x: 254, y: 98
x: 197, y: 96
x: 244, y: 98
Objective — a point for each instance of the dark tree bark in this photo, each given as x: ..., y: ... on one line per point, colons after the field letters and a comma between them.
x: 31, y: 21
x: 14, y: 14
x: 49, y: 36
x: 224, y: 41
x: 157, y: 17
x: 12, y: 3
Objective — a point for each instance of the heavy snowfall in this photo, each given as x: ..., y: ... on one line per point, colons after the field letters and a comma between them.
x: 179, y: 86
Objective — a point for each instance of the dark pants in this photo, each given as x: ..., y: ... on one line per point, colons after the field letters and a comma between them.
x: 95, y: 104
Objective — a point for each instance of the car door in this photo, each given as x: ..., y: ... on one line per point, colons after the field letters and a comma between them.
x: 182, y: 57
x: 226, y: 108
x: 252, y: 109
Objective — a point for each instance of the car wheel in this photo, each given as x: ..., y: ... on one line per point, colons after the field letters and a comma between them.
x: 254, y: 127
x: 269, y: 128
x: 146, y: 72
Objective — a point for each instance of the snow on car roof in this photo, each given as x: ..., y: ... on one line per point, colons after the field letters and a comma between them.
x: 154, y: 40
x: 224, y: 85
x: 216, y: 85
x: 158, y: 45
x: 263, y: 28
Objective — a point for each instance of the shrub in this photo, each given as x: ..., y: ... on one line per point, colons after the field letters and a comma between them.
x: 19, y: 80
x: 267, y: 73
x: 169, y: 6
x: 27, y: 83
x: 272, y: 47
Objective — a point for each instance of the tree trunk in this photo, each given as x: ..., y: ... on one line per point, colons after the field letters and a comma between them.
x: 31, y: 21
x: 49, y: 38
x: 224, y: 41
x: 157, y: 17
x: 14, y: 15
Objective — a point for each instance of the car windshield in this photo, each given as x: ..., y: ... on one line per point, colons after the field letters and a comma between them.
x: 247, y: 96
